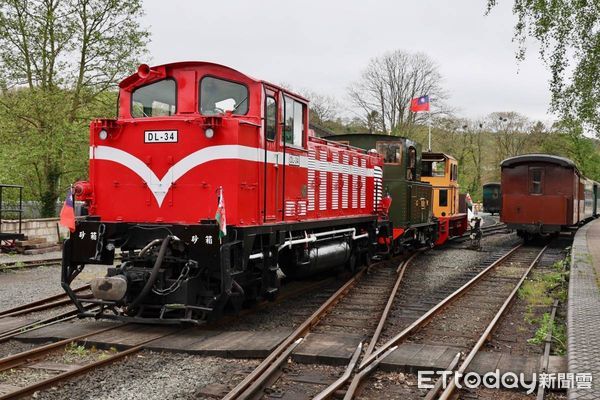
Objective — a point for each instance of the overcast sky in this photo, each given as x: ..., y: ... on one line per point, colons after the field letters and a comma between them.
x: 324, y: 45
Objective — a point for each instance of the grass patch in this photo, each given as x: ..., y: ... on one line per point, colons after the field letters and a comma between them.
x: 559, y: 335
x: 543, y: 288
x: 539, y: 292
x: 74, y: 349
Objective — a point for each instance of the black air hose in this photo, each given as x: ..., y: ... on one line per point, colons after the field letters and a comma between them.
x: 153, y: 274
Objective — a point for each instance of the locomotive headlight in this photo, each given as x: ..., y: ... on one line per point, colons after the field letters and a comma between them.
x: 209, y: 133
x: 103, y: 134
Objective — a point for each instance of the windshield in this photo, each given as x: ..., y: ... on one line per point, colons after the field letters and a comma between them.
x: 218, y: 96
x: 158, y: 99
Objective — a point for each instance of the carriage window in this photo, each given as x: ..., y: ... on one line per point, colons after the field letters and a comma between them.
x: 293, y: 129
x: 155, y: 100
x: 218, y: 96
x: 390, y: 151
x: 443, y: 198
x: 536, y: 175
x: 271, y: 118
x: 454, y: 172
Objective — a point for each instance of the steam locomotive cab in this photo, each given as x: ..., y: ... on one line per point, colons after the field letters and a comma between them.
x: 212, y: 188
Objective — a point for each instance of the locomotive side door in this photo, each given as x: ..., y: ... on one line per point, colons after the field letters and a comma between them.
x: 295, y: 175
x: 272, y: 156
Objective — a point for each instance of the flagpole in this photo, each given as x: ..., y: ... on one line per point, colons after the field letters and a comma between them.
x: 429, y: 124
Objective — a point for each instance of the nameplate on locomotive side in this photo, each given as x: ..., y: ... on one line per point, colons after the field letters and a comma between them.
x: 160, y: 136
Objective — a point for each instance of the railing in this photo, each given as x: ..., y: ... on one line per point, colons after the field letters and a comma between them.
x: 11, y: 210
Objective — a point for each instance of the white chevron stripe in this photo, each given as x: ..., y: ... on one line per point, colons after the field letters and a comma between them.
x: 160, y: 187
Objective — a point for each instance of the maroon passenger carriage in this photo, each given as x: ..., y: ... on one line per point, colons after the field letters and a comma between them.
x: 185, y: 134
x: 544, y: 194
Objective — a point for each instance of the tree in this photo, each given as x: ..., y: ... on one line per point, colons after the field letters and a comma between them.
x: 567, y: 30
x: 323, y: 108
x: 389, y: 83
x: 511, y: 133
x: 58, y: 61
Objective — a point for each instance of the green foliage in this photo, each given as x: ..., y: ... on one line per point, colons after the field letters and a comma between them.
x: 559, y: 335
x: 569, y: 35
x: 59, y: 59
x: 74, y: 349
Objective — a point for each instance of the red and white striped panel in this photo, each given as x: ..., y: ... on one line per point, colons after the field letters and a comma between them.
x: 345, y: 172
x: 323, y: 179
x: 335, y: 159
x: 311, y: 179
x: 354, y: 182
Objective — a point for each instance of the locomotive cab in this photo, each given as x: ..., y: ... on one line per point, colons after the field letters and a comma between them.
x: 213, y: 189
x: 441, y: 171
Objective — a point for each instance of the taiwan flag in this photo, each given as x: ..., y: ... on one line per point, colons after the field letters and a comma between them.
x: 220, y: 215
x: 67, y: 213
x: 419, y: 104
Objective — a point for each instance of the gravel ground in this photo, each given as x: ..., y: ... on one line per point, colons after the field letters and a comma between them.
x: 150, y: 375
x: 31, y: 284
x: 13, y: 347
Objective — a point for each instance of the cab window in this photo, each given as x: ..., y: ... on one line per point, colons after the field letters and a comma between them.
x: 158, y: 99
x: 454, y: 172
x: 293, y: 128
x: 270, y: 118
x: 218, y: 96
x: 411, y: 168
x: 536, y: 176
x: 390, y: 151
x: 438, y: 168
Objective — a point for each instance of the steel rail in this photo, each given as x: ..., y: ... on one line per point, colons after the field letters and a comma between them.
x: 21, y: 358
x: 75, y: 372
x: 342, y: 379
x: 43, y: 304
x: 547, y: 347
x: 484, y: 337
x: 440, y: 382
x: 400, y: 271
x: 365, y: 372
x: 26, y: 264
x: 327, y: 392
x: 239, y: 391
x: 378, y: 355
x: 429, y: 314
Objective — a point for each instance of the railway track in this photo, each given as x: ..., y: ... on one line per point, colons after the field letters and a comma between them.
x: 57, y: 302
x: 48, y: 362
x: 497, y: 283
x: 47, y: 358
x: 451, y: 321
x: 15, y: 265
x: 350, y: 309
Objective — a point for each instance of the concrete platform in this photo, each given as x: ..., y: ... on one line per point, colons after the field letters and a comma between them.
x: 412, y: 357
x: 583, y: 317
x: 332, y: 349
x: 235, y: 344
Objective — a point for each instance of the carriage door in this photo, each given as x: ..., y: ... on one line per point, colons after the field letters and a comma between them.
x: 295, y: 174
x: 273, y: 157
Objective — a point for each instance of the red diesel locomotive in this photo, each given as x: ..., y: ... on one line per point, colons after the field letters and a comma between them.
x: 213, y: 188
